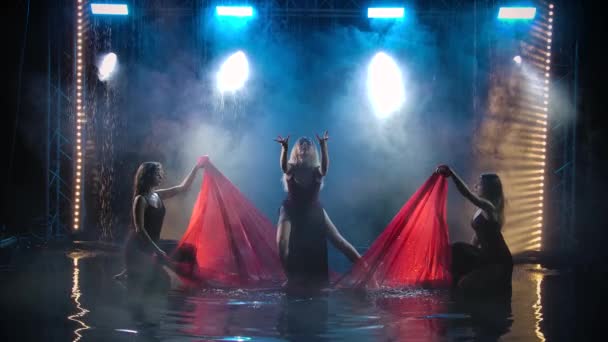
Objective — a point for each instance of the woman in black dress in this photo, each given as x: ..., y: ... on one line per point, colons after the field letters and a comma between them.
x: 304, y: 226
x: 486, y: 266
x: 142, y: 253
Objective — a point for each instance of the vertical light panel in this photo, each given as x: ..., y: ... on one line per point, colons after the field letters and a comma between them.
x: 80, y: 115
x: 512, y: 139
x: 526, y: 212
x: 548, y: 24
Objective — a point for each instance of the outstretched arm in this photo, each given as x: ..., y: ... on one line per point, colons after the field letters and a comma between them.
x: 324, y: 153
x: 185, y: 184
x: 479, y: 202
x: 284, y: 149
x: 139, y: 208
x: 339, y: 241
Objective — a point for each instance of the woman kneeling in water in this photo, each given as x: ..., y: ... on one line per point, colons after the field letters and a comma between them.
x: 486, y: 266
x: 142, y: 252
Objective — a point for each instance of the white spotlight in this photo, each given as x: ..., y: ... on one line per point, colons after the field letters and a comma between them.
x: 107, y: 66
x: 233, y: 73
x: 385, y: 85
x: 517, y: 59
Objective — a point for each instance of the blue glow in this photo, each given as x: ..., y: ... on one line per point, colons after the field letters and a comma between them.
x: 515, y: 13
x: 385, y: 12
x: 110, y: 9
x: 234, y: 11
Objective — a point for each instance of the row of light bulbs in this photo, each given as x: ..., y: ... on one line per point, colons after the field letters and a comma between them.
x: 80, y: 117
x: 546, y: 109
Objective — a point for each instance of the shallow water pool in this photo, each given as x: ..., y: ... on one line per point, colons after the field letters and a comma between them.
x: 55, y: 295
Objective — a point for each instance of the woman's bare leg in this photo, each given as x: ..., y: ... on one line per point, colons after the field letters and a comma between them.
x: 283, y: 232
x: 339, y: 241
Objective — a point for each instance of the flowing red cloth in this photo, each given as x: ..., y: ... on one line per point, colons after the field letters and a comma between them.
x: 228, y: 243
x: 413, y: 250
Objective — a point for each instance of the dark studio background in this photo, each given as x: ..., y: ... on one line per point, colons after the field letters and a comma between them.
x: 25, y: 61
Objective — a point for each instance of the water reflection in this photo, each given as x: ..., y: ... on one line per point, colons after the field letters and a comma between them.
x: 538, y: 278
x: 414, y: 315
x: 528, y: 312
x: 76, y: 294
x: 303, y: 319
x: 489, y: 318
x: 98, y: 311
x: 225, y: 315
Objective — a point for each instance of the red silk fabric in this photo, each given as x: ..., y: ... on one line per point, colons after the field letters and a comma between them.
x: 229, y: 242
x: 413, y: 250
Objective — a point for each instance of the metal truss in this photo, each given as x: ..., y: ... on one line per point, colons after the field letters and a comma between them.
x: 58, y: 144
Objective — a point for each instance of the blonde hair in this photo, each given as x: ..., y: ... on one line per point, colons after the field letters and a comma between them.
x: 311, y: 159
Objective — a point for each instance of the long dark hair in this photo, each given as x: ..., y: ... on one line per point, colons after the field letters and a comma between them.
x: 491, y: 189
x: 145, y: 177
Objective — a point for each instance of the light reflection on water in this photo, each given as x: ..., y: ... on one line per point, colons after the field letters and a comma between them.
x: 538, y: 307
x: 77, y: 317
x: 419, y: 315
x: 100, y: 309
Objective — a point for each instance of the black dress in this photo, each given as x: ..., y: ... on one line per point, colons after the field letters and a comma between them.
x: 139, y: 259
x: 306, y: 264
x: 492, y: 251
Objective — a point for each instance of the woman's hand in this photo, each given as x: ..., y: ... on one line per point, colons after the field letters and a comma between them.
x: 444, y: 170
x: 371, y: 281
x: 323, y: 139
x: 202, y: 162
x: 283, y: 141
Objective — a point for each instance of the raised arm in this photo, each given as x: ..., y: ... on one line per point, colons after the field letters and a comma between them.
x: 284, y: 149
x: 139, y: 208
x: 186, y: 183
x: 324, y: 153
x: 479, y: 202
x: 339, y: 241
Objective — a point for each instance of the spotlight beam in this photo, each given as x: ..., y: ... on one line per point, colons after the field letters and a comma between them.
x: 385, y: 85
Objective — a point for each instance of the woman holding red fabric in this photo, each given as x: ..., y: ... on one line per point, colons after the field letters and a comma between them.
x: 142, y: 250
x: 486, y: 267
x: 304, y: 226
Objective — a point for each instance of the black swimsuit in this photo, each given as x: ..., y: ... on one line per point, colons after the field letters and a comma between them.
x: 138, y: 253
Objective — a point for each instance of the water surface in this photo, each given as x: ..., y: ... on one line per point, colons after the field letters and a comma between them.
x: 58, y: 295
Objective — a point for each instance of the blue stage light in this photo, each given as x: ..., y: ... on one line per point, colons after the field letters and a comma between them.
x: 517, y: 13
x: 385, y: 86
x: 385, y: 12
x: 234, y: 11
x: 233, y: 73
x: 109, y: 9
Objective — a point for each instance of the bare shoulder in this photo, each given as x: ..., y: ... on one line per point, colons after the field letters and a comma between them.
x: 139, y: 201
